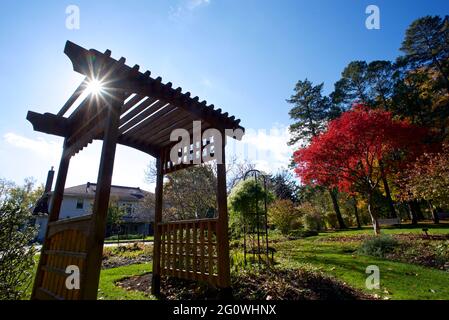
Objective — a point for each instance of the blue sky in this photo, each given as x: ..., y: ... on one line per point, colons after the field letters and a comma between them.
x: 243, y: 56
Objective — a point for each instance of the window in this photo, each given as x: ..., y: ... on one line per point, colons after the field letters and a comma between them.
x: 128, y: 207
x: 79, y: 204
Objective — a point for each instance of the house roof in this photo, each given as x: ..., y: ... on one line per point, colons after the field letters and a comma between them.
x: 87, y: 190
x: 121, y: 193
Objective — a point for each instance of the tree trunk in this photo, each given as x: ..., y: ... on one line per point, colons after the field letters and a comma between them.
x: 418, y: 210
x: 387, y: 192
x: 412, y: 212
x: 356, y: 213
x: 434, y: 213
x: 373, y: 214
x: 341, y: 223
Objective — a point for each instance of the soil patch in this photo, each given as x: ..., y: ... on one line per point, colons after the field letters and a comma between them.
x: 274, y: 284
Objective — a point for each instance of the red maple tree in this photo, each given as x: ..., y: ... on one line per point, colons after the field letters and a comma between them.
x: 355, y: 147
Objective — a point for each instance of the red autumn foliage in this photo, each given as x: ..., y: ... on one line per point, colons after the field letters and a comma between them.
x: 348, y: 155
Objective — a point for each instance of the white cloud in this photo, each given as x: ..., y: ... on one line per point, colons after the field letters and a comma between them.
x: 193, y: 4
x: 185, y: 7
x: 268, y: 149
x: 39, y: 146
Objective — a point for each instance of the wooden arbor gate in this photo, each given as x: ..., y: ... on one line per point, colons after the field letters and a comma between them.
x: 138, y: 111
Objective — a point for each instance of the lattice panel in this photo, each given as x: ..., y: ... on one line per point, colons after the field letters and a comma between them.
x: 189, y: 249
x: 65, y: 248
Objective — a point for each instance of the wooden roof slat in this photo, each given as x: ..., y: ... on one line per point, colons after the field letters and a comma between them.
x: 132, y: 102
x: 136, y: 110
x: 138, y: 119
x: 73, y: 97
x: 180, y: 121
x: 151, y: 120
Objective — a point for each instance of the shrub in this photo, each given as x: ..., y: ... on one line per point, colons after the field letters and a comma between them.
x: 297, y: 234
x: 16, y: 252
x: 283, y: 214
x: 311, y: 217
x: 312, y: 221
x: 330, y: 220
x: 126, y: 237
x: 245, y: 199
x: 378, y: 246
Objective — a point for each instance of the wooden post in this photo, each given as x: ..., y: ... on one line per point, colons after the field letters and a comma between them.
x: 101, y: 203
x: 224, y: 275
x: 156, y: 279
x: 55, y: 207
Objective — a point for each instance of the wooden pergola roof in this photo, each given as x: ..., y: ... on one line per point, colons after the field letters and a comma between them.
x: 152, y: 109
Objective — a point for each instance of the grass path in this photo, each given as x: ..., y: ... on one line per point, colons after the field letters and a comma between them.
x: 109, y: 291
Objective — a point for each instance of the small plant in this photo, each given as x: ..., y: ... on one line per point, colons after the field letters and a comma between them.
x: 299, y: 233
x: 378, y: 246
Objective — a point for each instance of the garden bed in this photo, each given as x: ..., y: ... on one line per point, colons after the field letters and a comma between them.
x: 125, y: 255
x: 277, y: 284
x: 426, y: 250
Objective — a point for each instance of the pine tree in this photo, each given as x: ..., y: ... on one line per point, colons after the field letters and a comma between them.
x: 310, y: 111
x: 427, y: 44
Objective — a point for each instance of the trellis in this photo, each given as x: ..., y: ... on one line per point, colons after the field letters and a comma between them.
x: 138, y: 111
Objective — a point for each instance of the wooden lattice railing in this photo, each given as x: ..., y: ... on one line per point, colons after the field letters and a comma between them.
x: 66, y: 245
x: 189, y: 249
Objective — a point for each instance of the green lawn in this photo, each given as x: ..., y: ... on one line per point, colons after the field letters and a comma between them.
x: 398, y: 280
x: 109, y: 291
x: 148, y: 238
x: 442, y: 228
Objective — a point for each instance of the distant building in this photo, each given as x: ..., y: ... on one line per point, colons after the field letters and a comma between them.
x: 78, y: 201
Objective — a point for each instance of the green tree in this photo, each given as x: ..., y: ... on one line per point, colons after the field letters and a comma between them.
x: 283, y: 214
x: 115, y: 216
x: 16, y: 236
x: 381, y: 83
x: 353, y: 86
x: 283, y: 186
x: 190, y: 193
x: 310, y: 111
x: 246, y: 204
x: 427, y: 44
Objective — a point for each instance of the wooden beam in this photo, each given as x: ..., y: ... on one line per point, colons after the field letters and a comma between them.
x: 224, y: 276
x: 49, y: 123
x: 101, y: 203
x: 156, y: 278
x: 55, y: 207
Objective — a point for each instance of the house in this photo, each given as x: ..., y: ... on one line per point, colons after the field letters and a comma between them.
x: 78, y: 201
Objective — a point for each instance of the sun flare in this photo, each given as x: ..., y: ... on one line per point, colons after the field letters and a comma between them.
x: 95, y: 86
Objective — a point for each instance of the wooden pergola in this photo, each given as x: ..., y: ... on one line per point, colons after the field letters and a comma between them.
x: 141, y: 112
